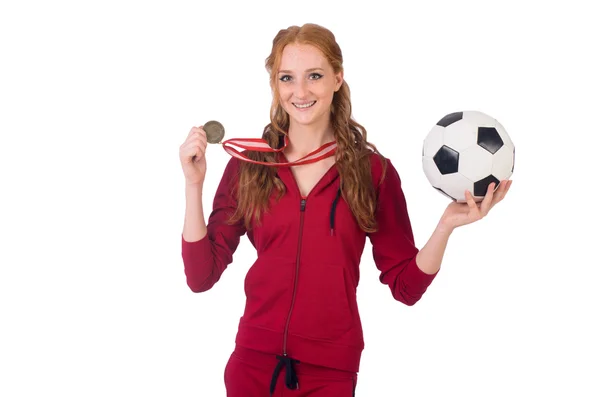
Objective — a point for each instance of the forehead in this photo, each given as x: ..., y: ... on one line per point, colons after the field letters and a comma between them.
x: 301, y: 57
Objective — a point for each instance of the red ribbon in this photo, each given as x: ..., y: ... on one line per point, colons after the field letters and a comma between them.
x: 261, y: 145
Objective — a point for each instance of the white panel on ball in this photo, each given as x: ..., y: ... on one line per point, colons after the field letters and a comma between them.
x: 503, y: 162
x: 434, y: 141
x: 503, y: 134
x: 432, y: 172
x: 455, y: 185
x: 479, y: 119
x: 460, y: 135
x: 475, y: 163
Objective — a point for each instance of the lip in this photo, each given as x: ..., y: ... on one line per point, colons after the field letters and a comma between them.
x: 303, y: 103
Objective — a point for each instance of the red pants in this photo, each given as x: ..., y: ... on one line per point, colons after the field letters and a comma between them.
x: 249, y: 373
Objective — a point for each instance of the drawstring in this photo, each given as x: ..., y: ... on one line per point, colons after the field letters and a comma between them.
x: 291, y: 379
x: 332, y: 212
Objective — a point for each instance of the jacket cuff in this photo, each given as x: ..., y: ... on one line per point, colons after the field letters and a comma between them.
x: 417, y: 276
x: 193, y: 250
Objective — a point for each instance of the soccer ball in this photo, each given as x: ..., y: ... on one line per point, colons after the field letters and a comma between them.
x: 467, y: 150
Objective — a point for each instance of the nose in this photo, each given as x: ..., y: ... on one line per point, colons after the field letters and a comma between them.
x: 301, y: 89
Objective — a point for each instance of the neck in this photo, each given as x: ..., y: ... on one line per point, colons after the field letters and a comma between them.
x: 304, y: 139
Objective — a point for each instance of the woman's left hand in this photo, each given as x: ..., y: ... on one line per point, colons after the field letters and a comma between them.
x: 459, y: 214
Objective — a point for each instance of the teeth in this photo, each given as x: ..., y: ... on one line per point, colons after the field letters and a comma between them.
x: 306, y: 105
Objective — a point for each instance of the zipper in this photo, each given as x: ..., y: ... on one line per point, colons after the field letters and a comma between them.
x: 287, y: 323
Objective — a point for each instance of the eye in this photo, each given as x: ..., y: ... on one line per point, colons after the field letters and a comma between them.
x: 315, y: 76
x: 285, y: 78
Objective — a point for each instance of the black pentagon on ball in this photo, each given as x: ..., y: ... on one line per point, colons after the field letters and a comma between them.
x: 480, y: 187
x: 446, y: 160
x: 450, y: 118
x: 489, y: 139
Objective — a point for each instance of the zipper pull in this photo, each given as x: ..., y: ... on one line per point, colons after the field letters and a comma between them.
x: 302, y: 205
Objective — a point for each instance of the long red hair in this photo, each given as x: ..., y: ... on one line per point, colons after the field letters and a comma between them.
x: 257, y: 182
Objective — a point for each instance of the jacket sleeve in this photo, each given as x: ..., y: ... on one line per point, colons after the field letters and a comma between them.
x: 205, y: 260
x: 394, y: 250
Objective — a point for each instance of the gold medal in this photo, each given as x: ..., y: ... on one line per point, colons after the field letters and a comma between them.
x: 214, y: 131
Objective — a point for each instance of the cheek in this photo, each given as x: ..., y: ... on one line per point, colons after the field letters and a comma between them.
x: 284, y: 92
x: 323, y: 91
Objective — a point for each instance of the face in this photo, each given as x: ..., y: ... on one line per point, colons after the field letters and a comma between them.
x: 306, y: 83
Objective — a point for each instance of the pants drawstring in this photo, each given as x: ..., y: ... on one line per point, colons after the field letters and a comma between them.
x: 291, y: 379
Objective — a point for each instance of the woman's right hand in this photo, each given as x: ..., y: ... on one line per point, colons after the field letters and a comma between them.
x: 192, y: 156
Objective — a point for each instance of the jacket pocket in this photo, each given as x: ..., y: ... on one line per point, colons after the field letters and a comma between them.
x: 322, y: 309
x: 268, y: 287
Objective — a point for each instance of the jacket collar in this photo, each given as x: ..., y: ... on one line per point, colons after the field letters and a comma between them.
x: 287, y: 177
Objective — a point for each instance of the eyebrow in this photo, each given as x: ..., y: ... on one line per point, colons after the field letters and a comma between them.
x: 307, y: 70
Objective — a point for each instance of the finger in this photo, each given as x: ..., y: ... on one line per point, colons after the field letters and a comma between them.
x: 193, y: 130
x: 471, y: 203
x: 193, y: 143
x: 199, y: 138
x: 189, y: 152
x: 486, y: 203
x: 193, y: 149
x: 200, y: 153
x: 203, y: 138
x: 501, y: 192
x: 197, y: 131
x: 196, y: 138
x: 506, y: 184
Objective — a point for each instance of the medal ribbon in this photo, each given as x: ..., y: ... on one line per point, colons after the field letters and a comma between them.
x: 261, y: 145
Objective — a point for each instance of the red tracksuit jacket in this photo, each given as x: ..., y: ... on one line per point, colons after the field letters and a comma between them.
x: 301, y: 290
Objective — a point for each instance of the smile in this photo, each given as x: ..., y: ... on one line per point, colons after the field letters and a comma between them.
x: 304, y: 105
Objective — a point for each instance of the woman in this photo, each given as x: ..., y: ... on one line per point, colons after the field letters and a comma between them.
x: 301, y: 330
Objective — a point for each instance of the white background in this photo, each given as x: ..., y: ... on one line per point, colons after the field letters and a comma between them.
x: 96, y: 97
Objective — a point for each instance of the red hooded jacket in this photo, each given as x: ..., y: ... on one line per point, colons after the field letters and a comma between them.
x: 301, y: 290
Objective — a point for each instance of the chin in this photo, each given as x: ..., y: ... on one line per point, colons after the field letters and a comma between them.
x: 305, y: 117
x: 304, y: 120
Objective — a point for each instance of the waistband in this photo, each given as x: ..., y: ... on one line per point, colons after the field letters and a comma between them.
x: 319, y: 354
x: 268, y: 362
